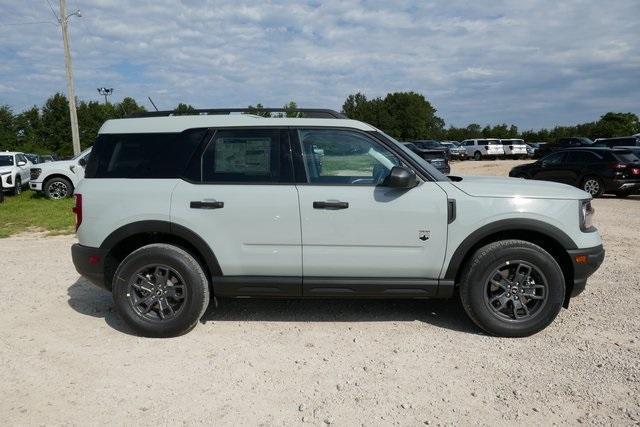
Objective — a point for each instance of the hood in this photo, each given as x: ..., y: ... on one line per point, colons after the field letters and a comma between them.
x: 6, y: 169
x: 486, y: 186
x: 59, y: 164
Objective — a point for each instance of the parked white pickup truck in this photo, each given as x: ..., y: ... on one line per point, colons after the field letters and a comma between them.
x: 58, y: 180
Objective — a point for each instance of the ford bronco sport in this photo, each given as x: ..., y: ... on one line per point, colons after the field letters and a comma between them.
x: 177, y: 210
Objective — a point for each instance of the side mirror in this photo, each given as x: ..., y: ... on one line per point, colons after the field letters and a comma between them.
x: 401, y: 177
x: 82, y: 162
x: 22, y: 163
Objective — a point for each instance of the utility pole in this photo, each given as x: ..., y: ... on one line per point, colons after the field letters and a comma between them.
x: 105, y: 91
x: 64, y: 21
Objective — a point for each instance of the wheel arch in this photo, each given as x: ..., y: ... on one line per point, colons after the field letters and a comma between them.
x: 130, y: 237
x: 547, y: 236
x: 57, y: 175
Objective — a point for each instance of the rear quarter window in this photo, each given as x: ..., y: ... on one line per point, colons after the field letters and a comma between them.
x: 143, y: 155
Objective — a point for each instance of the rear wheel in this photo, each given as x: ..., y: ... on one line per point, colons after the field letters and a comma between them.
x: 512, y: 288
x: 160, y: 290
x: 477, y: 155
x: 58, y: 188
x: 593, y: 185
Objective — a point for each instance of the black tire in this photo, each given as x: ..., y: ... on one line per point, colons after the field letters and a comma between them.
x: 127, y: 294
x: 17, y: 188
x: 593, y: 185
x: 476, y: 286
x: 477, y: 155
x: 57, y: 188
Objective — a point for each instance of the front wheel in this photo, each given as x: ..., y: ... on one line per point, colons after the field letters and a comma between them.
x: 512, y: 288
x: 477, y: 155
x: 58, y: 188
x: 160, y: 290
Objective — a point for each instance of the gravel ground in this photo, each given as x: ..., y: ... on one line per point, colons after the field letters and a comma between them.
x: 68, y: 359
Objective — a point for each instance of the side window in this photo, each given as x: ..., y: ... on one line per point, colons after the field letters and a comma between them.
x: 247, y: 155
x: 344, y: 157
x: 581, y: 157
x: 553, y: 159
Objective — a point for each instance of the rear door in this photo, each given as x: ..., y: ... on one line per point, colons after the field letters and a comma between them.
x: 578, y: 164
x: 244, y: 204
x: 355, y: 227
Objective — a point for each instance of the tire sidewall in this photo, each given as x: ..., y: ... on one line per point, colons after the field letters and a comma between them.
x: 485, y: 263
x: 54, y: 180
x: 600, y: 185
x: 195, y: 284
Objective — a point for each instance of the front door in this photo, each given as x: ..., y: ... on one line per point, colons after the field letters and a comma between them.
x: 355, y: 227
x: 245, y: 207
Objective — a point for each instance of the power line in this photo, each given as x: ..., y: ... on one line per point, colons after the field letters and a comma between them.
x: 55, y: 15
x: 11, y: 24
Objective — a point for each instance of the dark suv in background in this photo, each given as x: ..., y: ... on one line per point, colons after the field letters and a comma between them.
x: 564, y: 143
x: 624, y: 141
x: 596, y: 170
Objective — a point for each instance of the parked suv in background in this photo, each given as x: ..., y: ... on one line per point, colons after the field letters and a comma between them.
x: 480, y: 148
x: 564, y: 143
x: 176, y: 210
x: 14, y: 171
x: 455, y: 151
x: 57, y: 180
x: 595, y: 170
x: 625, y: 141
x: 514, y: 148
x: 437, y: 157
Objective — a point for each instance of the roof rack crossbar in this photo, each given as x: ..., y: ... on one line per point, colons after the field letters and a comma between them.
x: 314, y: 113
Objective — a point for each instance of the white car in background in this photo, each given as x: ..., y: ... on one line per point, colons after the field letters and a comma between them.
x: 514, y: 148
x: 479, y: 148
x: 14, y: 171
x: 58, y: 180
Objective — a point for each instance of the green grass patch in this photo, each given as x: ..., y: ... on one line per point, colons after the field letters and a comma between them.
x: 332, y: 165
x: 31, y: 212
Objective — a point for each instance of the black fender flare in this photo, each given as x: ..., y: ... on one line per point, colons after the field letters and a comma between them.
x: 504, y: 225
x: 167, y: 228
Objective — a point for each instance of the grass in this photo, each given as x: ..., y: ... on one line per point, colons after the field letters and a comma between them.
x: 31, y: 212
x: 332, y: 165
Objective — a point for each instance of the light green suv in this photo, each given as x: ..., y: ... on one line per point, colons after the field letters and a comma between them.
x: 176, y: 210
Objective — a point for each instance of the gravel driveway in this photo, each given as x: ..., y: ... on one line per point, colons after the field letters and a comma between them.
x: 68, y: 359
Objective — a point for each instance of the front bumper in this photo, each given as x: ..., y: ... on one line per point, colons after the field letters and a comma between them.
x: 6, y: 185
x: 37, y: 186
x: 89, y: 262
x: 585, y: 263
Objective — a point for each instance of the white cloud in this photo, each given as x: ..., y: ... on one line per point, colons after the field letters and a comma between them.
x: 533, y: 63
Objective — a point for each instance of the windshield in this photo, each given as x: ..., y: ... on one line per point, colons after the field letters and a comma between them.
x: 439, y: 176
x: 81, y: 154
x: 6, y: 160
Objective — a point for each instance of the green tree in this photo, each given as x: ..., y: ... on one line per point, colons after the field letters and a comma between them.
x: 7, y: 128
x: 183, y: 108
x: 616, y: 124
x: 56, y: 130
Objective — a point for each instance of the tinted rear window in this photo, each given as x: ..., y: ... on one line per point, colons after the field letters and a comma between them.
x: 626, y: 156
x: 143, y: 155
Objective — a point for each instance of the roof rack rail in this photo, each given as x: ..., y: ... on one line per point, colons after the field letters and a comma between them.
x: 312, y: 113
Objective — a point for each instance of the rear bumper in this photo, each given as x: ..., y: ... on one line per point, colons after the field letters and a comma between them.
x: 625, y: 185
x: 585, y: 263
x: 89, y: 262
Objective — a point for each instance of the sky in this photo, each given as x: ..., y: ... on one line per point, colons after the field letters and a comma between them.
x: 530, y: 63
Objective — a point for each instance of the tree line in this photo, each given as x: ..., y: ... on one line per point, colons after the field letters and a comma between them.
x: 403, y: 115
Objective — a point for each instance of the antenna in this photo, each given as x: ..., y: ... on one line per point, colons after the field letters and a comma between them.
x: 152, y: 103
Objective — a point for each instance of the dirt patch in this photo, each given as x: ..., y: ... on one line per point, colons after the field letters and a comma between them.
x: 67, y: 358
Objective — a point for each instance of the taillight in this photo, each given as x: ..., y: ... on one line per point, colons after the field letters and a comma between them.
x: 77, y: 209
x: 617, y: 166
x: 635, y: 171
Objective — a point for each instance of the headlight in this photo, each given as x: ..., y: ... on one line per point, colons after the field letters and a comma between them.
x: 586, y: 216
x: 35, y: 173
